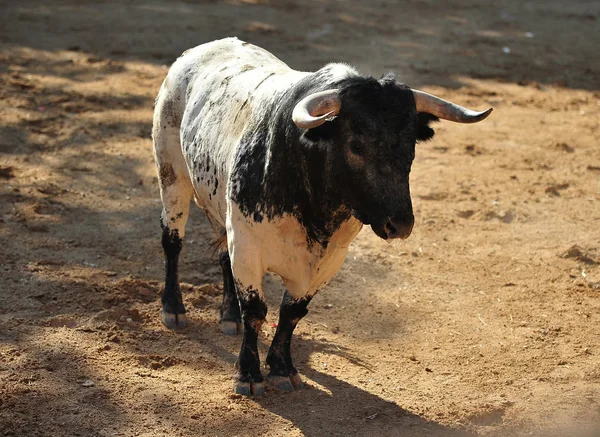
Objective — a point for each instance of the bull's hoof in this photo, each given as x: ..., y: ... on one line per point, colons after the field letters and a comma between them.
x: 249, y: 388
x: 229, y: 327
x: 297, y: 381
x: 173, y: 320
x: 287, y: 384
x: 281, y: 383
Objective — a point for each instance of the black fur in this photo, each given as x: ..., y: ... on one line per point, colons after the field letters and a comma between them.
x: 279, y: 358
x: 309, y: 175
x: 424, y: 131
x: 230, y: 307
x: 171, y: 297
x: 254, y: 312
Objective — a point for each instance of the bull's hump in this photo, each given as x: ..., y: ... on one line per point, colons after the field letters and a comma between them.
x: 231, y: 53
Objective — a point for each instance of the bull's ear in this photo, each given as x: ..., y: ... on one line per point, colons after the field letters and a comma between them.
x: 424, y: 131
x: 320, y: 134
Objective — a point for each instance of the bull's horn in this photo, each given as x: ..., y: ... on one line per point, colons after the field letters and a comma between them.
x: 315, y: 109
x: 447, y: 110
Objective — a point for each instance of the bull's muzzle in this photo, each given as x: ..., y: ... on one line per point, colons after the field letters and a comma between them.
x: 398, y: 229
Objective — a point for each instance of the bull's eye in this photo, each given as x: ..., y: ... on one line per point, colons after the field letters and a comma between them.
x: 357, y: 148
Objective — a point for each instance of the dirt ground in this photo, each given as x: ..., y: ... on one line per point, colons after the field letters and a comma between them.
x: 485, y: 322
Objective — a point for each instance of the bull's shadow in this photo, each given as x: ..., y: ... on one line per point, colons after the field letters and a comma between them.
x: 329, y: 406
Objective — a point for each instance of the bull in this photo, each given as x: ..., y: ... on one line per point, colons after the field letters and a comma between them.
x: 288, y: 167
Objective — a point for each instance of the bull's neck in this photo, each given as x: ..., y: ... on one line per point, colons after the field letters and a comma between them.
x: 276, y: 173
x: 308, y: 186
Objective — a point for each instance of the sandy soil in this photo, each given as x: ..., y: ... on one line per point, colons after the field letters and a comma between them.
x: 486, y: 322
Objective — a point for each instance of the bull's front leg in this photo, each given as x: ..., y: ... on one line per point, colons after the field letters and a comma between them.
x: 248, y: 284
x: 283, y: 374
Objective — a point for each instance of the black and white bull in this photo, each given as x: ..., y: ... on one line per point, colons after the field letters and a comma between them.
x: 288, y: 166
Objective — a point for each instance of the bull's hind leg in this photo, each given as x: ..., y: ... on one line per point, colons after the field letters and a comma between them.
x: 173, y: 311
x: 176, y: 193
x: 283, y: 374
x: 231, y: 319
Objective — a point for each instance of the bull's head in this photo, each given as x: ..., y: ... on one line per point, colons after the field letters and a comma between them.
x: 370, y: 128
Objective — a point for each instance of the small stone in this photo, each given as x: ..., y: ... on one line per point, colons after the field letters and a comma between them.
x: 88, y: 383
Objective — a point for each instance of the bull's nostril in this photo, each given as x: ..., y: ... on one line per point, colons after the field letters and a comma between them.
x: 390, y: 229
x: 399, y: 229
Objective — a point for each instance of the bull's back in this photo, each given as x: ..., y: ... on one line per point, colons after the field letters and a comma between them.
x: 225, y: 87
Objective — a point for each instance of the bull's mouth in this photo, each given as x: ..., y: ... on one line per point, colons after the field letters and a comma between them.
x: 387, y: 229
x: 380, y: 232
